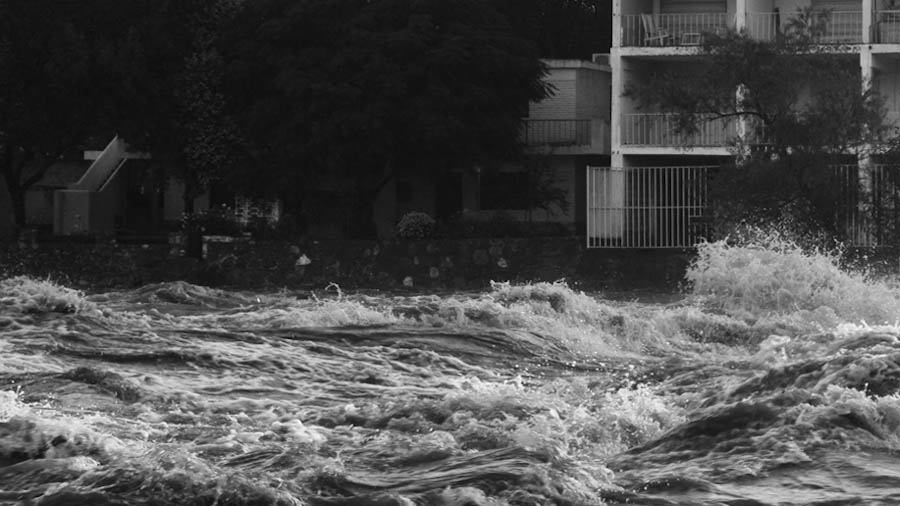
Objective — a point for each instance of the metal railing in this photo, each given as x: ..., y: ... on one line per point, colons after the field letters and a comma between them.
x: 647, y: 207
x: 825, y: 27
x: 840, y: 27
x: 868, y: 211
x: 762, y: 25
x: 654, y: 30
x: 557, y: 132
x: 668, y: 207
x: 887, y: 27
x: 661, y: 129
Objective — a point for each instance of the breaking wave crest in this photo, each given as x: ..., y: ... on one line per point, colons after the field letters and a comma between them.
x: 775, y: 378
x: 774, y: 276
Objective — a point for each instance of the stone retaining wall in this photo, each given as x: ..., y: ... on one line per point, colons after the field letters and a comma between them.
x: 392, y: 264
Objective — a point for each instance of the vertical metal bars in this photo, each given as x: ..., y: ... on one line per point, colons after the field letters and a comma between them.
x: 647, y: 207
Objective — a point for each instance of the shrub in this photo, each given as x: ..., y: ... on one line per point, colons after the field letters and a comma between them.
x: 499, y: 224
x: 415, y: 225
x: 213, y: 221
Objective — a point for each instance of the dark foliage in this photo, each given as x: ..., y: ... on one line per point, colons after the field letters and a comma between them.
x: 345, y: 94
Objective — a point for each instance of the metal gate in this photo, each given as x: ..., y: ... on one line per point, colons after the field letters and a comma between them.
x: 868, y: 217
x: 647, y: 207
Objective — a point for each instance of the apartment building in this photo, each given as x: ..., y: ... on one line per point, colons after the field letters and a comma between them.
x: 654, y: 193
x: 568, y: 131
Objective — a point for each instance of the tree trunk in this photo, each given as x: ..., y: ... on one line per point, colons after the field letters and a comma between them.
x: 188, y: 197
x: 17, y: 196
x: 362, y: 224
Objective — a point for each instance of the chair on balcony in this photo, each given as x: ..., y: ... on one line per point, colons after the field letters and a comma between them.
x: 654, y: 35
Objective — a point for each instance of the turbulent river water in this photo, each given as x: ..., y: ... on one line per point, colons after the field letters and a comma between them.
x: 772, y: 380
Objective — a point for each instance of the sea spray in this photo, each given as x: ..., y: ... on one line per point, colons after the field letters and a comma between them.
x: 520, y: 395
x: 24, y: 295
x: 778, y: 277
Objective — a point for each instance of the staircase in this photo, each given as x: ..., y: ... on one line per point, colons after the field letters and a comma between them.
x: 88, y: 206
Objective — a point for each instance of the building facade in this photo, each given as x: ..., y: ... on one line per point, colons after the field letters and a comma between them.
x: 653, y: 193
x: 566, y: 132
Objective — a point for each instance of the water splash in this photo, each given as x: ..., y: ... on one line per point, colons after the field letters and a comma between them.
x: 762, y: 384
x: 774, y: 276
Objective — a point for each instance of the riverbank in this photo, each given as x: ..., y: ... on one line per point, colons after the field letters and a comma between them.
x: 447, y: 264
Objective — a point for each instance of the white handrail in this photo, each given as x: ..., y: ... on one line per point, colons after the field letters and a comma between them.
x: 107, y: 162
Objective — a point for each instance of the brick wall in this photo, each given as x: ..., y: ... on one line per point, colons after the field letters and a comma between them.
x: 562, y: 104
x: 581, y: 92
x: 592, y: 94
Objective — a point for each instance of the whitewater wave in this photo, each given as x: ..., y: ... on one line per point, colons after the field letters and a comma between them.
x: 773, y: 378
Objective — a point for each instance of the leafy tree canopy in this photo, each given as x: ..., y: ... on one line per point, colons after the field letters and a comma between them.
x: 364, y: 89
x: 562, y: 28
x: 53, y: 88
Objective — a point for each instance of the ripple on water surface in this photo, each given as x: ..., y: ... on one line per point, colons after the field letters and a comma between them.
x: 740, y: 392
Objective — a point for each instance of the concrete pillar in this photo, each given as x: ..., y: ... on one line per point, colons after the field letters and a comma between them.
x: 615, y: 124
x: 865, y: 160
x: 617, y: 23
x: 868, y: 27
x: 740, y: 15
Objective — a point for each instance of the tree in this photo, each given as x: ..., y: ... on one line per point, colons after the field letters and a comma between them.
x: 561, y: 28
x: 347, y: 94
x: 804, y: 108
x: 52, y: 92
x: 172, y: 105
x: 211, y: 141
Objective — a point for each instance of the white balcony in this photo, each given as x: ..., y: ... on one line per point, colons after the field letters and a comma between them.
x: 828, y: 27
x: 662, y: 30
x: 661, y: 130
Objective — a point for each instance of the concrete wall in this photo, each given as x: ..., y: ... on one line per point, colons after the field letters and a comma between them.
x: 632, y: 6
x: 759, y: 5
x: 581, y: 91
x: 789, y: 7
x: 430, y: 265
x: 592, y: 94
x: 560, y: 105
x: 695, y: 6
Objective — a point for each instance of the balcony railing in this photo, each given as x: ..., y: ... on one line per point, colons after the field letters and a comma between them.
x: 567, y: 133
x: 655, y: 30
x: 887, y: 27
x: 661, y: 129
x: 557, y: 132
x: 831, y: 27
